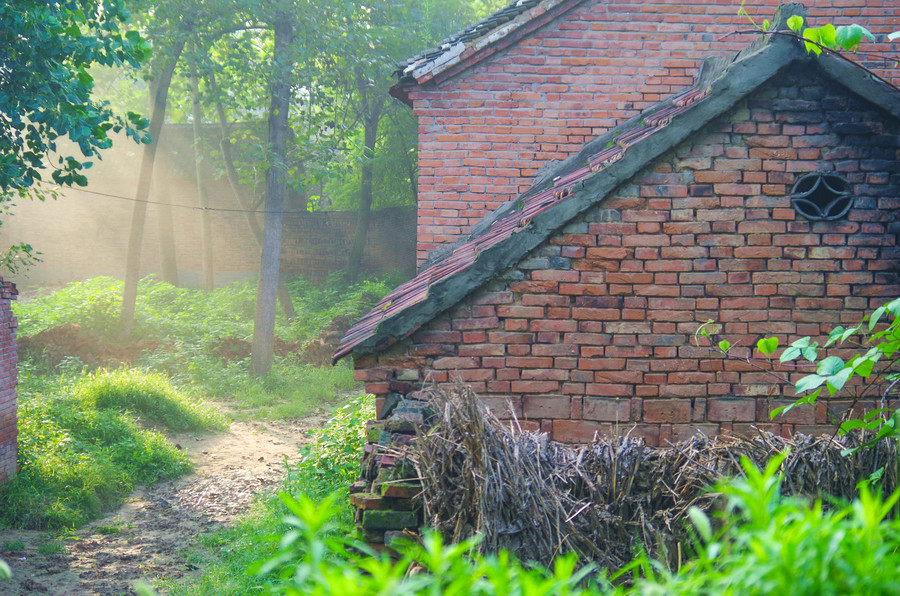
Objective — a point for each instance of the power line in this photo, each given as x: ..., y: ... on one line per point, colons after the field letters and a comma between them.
x: 133, y: 200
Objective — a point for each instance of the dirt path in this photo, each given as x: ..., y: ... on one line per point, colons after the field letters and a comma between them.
x: 142, y: 539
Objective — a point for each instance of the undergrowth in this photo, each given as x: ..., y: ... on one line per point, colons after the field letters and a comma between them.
x: 189, y: 323
x: 81, y: 451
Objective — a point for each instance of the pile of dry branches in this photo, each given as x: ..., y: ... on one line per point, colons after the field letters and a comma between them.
x: 538, y: 498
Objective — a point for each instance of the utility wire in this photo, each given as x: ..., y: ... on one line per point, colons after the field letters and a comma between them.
x: 224, y: 210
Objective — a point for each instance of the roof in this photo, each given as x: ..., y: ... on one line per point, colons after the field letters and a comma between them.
x: 508, y: 234
x: 498, y: 29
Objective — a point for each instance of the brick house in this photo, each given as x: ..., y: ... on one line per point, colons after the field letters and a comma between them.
x: 763, y: 196
x: 537, y: 80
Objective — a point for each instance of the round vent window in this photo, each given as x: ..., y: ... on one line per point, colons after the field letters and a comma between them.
x: 822, y: 196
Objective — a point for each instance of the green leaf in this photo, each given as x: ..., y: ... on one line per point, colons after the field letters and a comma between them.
x: 893, y: 36
x: 5, y: 571
x: 812, y: 35
x: 767, y: 345
x: 789, y: 354
x: 795, y: 23
x: 876, y: 315
x: 851, y: 425
x: 830, y: 366
x: 827, y: 34
x: 810, y: 352
x: 724, y: 345
x: 837, y: 381
x: 850, y: 36
x: 765, y: 25
x: 701, y: 523
x: 808, y: 383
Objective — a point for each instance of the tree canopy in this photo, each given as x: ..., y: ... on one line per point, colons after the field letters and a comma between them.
x: 46, y: 49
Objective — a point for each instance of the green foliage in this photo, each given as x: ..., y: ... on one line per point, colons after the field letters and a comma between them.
x: 315, y: 560
x: 760, y: 543
x: 332, y: 462
x: 771, y: 544
x: 876, y: 366
x: 5, y: 571
x: 845, y: 37
x: 193, y: 316
x: 45, y: 89
x: 148, y: 395
x: 77, y: 461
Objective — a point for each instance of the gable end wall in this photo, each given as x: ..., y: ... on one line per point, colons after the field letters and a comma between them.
x: 484, y: 134
x: 592, y: 332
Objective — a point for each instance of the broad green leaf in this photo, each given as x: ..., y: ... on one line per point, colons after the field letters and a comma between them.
x: 767, y: 345
x: 778, y: 411
x: 810, y: 352
x: 834, y: 336
x: 876, y: 315
x: 837, y: 381
x: 812, y: 35
x: 893, y: 36
x: 851, y: 425
x: 808, y: 383
x: 870, y: 416
x: 827, y: 34
x: 830, y: 366
x: 724, y: 345
x: 789, y: 354
x: 795, y: 23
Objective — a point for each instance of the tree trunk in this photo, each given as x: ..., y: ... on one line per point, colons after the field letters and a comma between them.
x: 370, y: 131
x: 142, y: 194
x: 168, y: 267
x: 264, y: 323
x: 206, y: 247
x: 284, y: 297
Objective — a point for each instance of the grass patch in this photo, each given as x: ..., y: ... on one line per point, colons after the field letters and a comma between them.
x: 149, y: 396
x: 80, y: 455
x: 12, y: 546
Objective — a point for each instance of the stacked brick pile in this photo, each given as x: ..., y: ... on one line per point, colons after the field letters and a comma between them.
x: 8, y: 380
x: 385, y: 496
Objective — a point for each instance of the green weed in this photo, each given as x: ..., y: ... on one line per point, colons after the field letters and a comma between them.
x: 12, y: 546
x: 52, y: 547
x: 148, y: 395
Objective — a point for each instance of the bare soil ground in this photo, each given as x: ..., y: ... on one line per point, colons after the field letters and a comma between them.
x: 142, y: 539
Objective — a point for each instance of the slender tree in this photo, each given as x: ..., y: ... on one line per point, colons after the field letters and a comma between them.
x: 276, y: 179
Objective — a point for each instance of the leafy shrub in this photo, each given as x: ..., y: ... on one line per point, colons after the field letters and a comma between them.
x: 770, y: 544
x: 332, y: 462
x: 148, y: 395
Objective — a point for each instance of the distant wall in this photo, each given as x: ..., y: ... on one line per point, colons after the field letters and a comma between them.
x: 85, y: 232
x: 8, y: 381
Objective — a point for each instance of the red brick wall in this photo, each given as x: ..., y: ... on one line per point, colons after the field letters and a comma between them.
x: 8, y: 379
x: 485, y: 132
x: 593, y: 331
